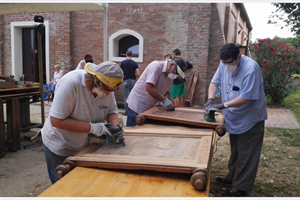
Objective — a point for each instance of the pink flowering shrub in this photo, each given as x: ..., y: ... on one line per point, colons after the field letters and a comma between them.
x: 277, y: 62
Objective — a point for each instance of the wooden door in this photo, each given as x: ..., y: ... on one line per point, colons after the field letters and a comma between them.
x: 30, y: 55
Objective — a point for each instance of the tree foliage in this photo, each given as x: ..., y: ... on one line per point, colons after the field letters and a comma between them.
x: 277, y: 61
x: 292, y: 10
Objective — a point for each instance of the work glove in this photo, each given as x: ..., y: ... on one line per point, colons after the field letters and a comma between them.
x: 99, y: 129
x: 208, y: 103
x: 167, y: 104
x: 214, y: 107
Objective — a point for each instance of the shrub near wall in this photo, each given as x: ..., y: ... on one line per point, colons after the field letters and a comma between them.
x: 277, y: 62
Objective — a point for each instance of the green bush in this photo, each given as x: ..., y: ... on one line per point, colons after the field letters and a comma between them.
x: 277, y: 62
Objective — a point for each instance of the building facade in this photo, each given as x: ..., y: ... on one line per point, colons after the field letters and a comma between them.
x: 150, y: 30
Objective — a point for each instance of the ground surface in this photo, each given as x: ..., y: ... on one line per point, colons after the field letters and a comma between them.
x: 24, y: 173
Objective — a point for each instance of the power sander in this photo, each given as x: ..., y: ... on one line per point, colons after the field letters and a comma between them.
x: 209, y: 114
x: 113, y: 138
x: 115, y: 135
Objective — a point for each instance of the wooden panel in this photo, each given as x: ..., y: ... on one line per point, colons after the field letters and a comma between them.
x: 183, y: 115
x: 165, y: 130
x: 13, y: 123
x: 90, y: 182
x: 195, y: 79
x: 188, y: 88
x: 166, y: 152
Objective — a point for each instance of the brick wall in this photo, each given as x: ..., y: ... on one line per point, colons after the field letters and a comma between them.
x: 197, y: 29
x: 217, y: 40
x: 165, y: 27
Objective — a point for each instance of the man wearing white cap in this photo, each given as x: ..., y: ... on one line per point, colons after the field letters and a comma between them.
x: 152, y: 86
x: 84, y: 102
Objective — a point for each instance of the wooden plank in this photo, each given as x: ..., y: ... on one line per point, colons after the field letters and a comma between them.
x: 13, y: 123
x: 90, y: 182
x: 2, y: 131
x: 188, y: 89
x: 19, y: 95
x: 165, y: 131
x: 189, y: 103
x: 205, y: 146
x: 192, y: 116
x: 19, y: 89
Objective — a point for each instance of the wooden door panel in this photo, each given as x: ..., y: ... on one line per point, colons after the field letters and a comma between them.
x: 182, y: 153
x: 182, y: 115
x: 188, y: 153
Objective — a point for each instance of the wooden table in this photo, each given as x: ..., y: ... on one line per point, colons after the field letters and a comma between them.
x: 93, y: 182
x: 157, y: 161
x: 17, y: 115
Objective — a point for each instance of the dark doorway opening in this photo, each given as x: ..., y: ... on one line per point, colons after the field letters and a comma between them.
x: 30, y: 55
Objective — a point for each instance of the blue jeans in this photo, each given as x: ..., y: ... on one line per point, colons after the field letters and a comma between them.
x: 51, y: 86
x: 52, y: 161
x: 128, y: 85
x: 131, y: 118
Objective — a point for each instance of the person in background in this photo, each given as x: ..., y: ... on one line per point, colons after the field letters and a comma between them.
x: 168, y: 57
x: 131, y: 74
x: 58, y: 73
x: 178, y: 88
x: 244, y: 110
x: 84, y: 103
x: 87, y: 59
x: 152, y: 86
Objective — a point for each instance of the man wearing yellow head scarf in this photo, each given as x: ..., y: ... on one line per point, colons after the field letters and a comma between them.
x: 84, y: 104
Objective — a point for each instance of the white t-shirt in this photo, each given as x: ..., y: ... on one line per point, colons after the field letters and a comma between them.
x: 58, y: 75
x: 73, y: 100
x: 139, y: 100
x: 79, y: 64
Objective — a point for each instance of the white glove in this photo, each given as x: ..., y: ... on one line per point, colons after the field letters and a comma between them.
x: 167, y: 104
x: 98, y: 129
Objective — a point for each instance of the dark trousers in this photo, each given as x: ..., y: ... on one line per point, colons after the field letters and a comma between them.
x: 128, y: 85
x: 131, y: 118
x: 244, y: 158
x: 52, y: 161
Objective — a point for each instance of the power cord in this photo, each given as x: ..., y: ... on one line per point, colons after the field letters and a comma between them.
x: 217, y: 145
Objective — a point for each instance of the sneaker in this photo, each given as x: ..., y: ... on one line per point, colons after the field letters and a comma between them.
x: 236, y: 193
x: 223, y: 181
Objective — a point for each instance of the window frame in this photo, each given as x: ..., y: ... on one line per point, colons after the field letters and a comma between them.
x: 114, y: 45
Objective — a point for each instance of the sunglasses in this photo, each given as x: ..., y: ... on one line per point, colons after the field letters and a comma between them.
x: 231, y: 62
x: 106, y: 88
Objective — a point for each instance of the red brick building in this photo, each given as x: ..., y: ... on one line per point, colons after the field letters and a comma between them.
x: 152, y: 30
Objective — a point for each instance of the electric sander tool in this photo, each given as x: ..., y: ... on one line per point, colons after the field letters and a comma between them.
x: 115, y: 135
x: 113, y: 138
x: 209, y: 114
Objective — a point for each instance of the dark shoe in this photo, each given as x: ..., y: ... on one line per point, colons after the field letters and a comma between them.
x: 223, y: 181
x: 235, y: 193
x: 124, y: 114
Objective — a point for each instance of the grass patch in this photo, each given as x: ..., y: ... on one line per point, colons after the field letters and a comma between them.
x: 275, y: 189
x: 292, y: 102
x: 289, y: 137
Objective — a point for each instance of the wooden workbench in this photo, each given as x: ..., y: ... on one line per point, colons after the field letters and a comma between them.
x: 17, y: 115
x: 93, y: 182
